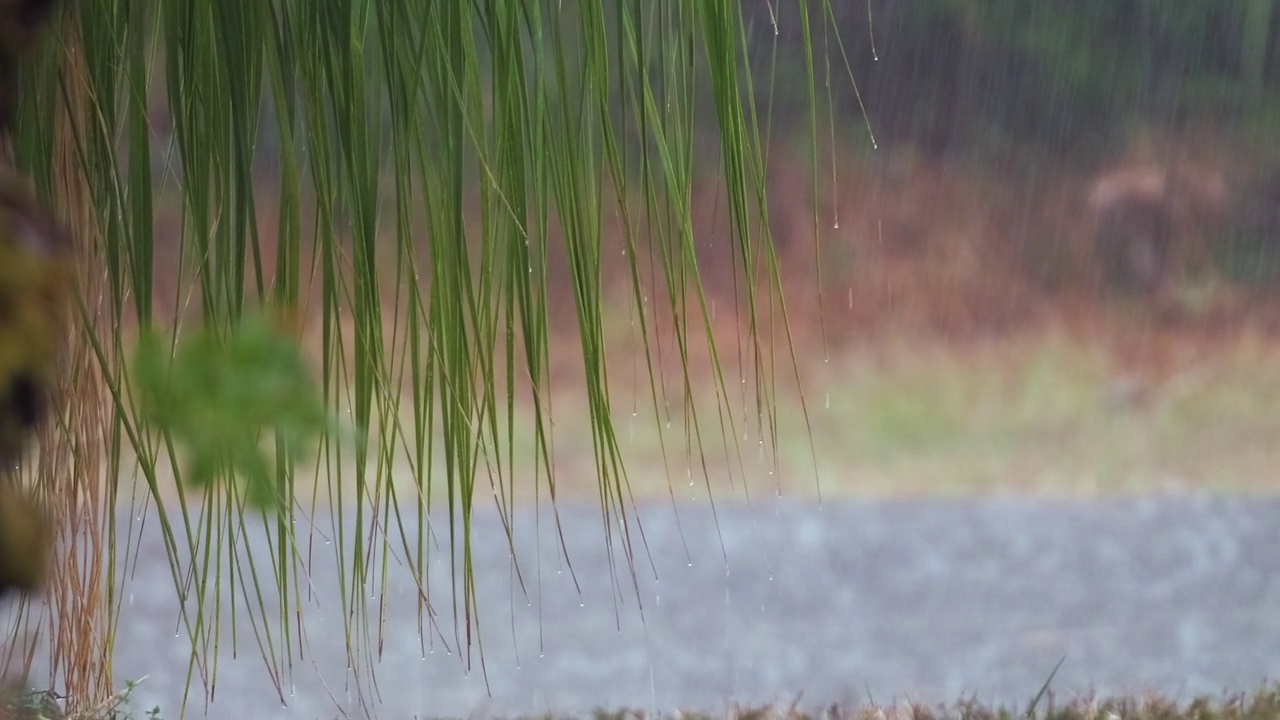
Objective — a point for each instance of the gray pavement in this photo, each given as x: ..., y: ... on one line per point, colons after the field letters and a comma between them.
x: 926, y: 599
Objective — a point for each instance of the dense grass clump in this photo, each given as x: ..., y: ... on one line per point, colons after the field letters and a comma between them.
x: 1264, y: 703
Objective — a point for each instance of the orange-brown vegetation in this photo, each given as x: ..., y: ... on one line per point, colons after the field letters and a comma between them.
x: 898, y: 245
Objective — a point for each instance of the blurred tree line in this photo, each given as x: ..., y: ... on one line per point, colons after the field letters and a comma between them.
x: 1052, y: 74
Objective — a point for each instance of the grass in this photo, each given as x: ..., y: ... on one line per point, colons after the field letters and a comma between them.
x: 1048, y: 415
x: 27, y: 704
x: 547, y: 117
x: 380, y: 113
x: 1041, y: 412
x: 1263, y: 704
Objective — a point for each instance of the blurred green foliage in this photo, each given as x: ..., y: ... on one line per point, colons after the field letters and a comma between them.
x: 222, y: 396
x: 1059, y: 75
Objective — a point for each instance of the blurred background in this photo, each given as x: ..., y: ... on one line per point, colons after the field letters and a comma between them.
x: 1024, y: 247
x: 1037, y: 249
x: 1016, y: 248
x: 1049, y: 244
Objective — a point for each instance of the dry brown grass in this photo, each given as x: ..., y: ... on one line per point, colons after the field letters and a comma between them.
x: 66, y: 468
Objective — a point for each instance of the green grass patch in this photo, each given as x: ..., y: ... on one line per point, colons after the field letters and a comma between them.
x: 1045, y: 414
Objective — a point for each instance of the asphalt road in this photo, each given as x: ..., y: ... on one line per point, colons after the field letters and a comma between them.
x: 924, y: 599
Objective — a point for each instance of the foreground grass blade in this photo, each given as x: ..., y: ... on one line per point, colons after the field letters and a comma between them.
x: 406, y: 188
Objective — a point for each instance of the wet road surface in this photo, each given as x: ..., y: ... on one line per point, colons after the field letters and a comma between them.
x: 930, y: 600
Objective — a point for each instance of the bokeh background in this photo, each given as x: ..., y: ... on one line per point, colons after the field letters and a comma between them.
x: 1000, y: 248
